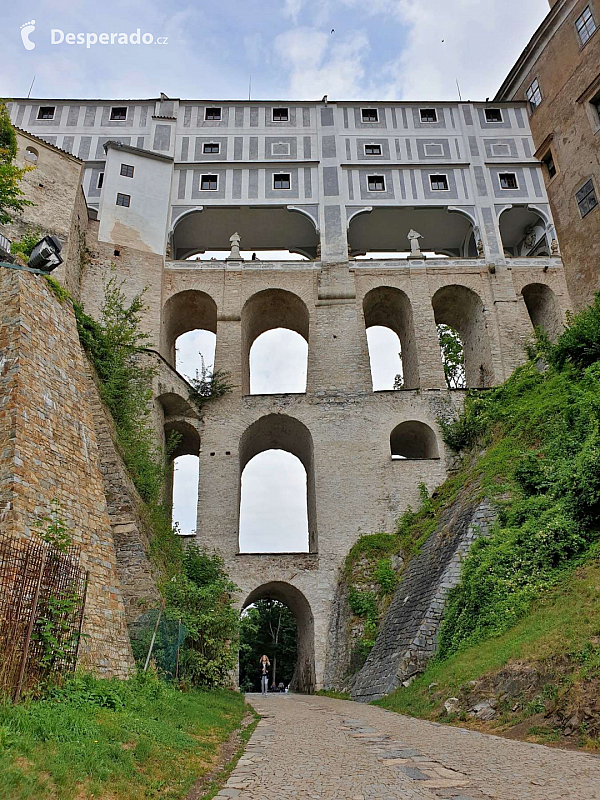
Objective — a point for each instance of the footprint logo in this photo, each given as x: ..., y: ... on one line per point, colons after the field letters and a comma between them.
x: 26, y: 29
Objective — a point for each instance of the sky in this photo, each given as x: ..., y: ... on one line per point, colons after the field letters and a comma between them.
x: 292, y: 49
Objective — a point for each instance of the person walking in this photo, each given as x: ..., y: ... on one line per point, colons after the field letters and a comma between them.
x: 264, y: 675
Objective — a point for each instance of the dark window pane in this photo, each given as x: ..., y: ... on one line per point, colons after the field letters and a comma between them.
x: 118, y: 113
x: 428, y: 115
x: 127, y: 170
x: 123, y: 199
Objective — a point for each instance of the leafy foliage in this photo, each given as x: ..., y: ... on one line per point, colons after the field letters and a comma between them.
x: 201, y: 597
x: 11, y: 196
x: 24, y: 246
x: 453, y: 357
x: 267, y: 627
x: 53, y: 529
x: 208, y: 384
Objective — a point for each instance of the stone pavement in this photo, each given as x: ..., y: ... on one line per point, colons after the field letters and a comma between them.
x: 320, y: 749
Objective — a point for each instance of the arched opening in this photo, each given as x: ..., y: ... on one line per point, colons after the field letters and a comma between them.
x: 261, y: 229
x: 523, y: 232
x: 461, y: 309
x: 278, y: 362
x: 388, y: 307
x: 31, y: 155
x: 277, y: 507
x: 266, y: 311
x: 190, y: 310
x: 444, y: 231
x: 543, y: 309
x: 303, y: 677
x: 413, y: 440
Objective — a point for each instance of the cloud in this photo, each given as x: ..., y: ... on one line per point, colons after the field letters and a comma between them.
x: 320, y: 63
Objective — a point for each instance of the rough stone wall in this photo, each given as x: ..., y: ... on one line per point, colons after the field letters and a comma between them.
x: 53, y: 185
x: 407, y: 637
x: 49, y: 451
x: 566, y: 124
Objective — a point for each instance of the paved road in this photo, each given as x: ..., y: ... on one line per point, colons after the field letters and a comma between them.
x: 320, y: 749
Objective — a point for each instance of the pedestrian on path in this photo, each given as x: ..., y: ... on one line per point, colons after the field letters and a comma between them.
x: 264, y: 675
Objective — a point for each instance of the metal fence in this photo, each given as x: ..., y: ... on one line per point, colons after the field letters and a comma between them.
x: 42, y: 598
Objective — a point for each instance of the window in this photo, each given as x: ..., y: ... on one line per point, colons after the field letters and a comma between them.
x: 428, y: 115
x: 586, y: 198
x: 209, y: 183
x: 118, y: 113
x: 493, y: 115
x: 282, y: 180
x: 123, y: 199
x: 376, y: 183
x: 281, y: 114
x: 369, y: 115
x: 100, y: 183
x: 31, y: 155
x: 508, y: 180
x: 46, y: 112
x: 127, y: 170
x: 439, y: 183
x: 211, y: 147
x: 212, y: 114
x: 585, y: 25
x: 534, y: 94
x: 548, y: 162
x: 372, y: 149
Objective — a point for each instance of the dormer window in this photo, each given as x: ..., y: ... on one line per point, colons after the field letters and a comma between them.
x: 428, y: 115
x: 46, y: 112
x: 493, y: 115
x: 118, y: 113
x: 281, y: 114
x: 369, y: 115
x: 372, y: 149
x: 212, y: 114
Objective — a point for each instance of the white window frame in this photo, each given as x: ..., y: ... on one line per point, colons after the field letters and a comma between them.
x: 113, y: 119
x: 100, y: 181
x: 433, y: 144
x: 508, y: 188
x: 372, y: 144
x: 433, y: 175
x: 369, y: 121
x: 209, y: 175
x: 428, y: 121
x: 280, y: 108
x: 384, y: 187
x: 212, y: 144
x: 529, y: 94
x: 280, y: 144
x: 582, y: 41
x: 46, y: 119
x: 281, y: 188
x: 213, y: 108
x: 493, y: 121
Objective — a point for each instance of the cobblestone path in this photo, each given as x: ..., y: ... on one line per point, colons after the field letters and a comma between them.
x: 316, y: 747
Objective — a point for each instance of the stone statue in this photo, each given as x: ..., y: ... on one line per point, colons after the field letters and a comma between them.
x: 235, y: 240
x: 530, y: 239
x: 413, y: 237
x: 554, y: 247
x: 480, y: 250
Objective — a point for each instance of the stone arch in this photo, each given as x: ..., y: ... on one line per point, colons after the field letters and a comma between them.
x: 295, y: 600
x: 543, y: 308
x: 390, y: 307
x: 281, y: 432
x: 462, y: 309
x: 524, y: 231
x: 413, y: 439
x: 189, y: 438
x: 265, y: 310
x: 31, y: 155
x: 186, y: 311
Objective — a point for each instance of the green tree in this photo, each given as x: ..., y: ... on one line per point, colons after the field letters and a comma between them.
x: 453, y: 357
x: 201, y: 597
x: 267, y: 626
x: 11, y: 196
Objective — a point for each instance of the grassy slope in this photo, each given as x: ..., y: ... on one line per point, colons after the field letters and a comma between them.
x: 531, y: 591
x: 110, y: 739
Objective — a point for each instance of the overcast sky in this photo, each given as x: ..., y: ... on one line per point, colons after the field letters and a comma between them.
x: 292, y: 49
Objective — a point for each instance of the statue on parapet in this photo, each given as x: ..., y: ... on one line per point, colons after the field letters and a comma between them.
x: 413, y: 237
x: 234, y: 255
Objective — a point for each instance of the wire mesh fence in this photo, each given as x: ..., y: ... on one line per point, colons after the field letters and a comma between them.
x: 42, y: 599
x: 161, y: 638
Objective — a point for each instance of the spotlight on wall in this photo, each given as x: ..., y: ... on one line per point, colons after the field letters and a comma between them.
x: 45, y: 255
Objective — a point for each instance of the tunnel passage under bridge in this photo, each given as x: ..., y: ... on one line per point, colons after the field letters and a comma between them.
x: 294, y: 599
